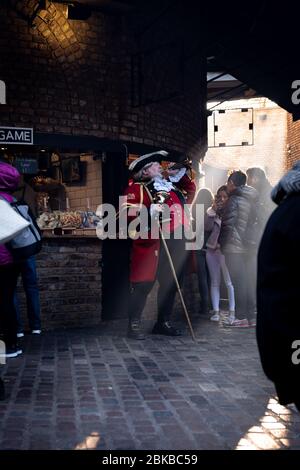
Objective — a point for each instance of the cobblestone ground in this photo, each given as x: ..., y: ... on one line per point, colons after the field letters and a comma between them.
x: 94, y: 388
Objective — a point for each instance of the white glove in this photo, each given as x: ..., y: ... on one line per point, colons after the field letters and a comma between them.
x: 156, y: 209
x: 175, y: 177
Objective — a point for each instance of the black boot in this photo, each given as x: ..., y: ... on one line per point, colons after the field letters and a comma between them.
x: 134, y: 330
x: 2, y: 390
x: 165, y: 328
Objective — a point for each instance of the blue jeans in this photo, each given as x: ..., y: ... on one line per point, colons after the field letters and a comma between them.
x: 30, y: 284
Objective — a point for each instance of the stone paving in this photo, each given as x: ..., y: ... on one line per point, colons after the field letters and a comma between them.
x: 96, y: 389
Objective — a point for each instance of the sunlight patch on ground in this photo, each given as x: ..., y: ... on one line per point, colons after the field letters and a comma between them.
x: 90, y: 442
x: 261, y: 437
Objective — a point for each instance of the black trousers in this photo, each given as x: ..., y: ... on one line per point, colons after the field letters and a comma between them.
x: 241, y: 267
x: 8, y: 281
x: 167, y: 286
x: 202, y: 275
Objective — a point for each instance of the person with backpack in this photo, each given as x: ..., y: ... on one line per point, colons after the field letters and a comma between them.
x: 9, y: 270
x: 29, y: 274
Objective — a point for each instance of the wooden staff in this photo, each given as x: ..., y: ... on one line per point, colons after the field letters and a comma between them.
x: 159, y: 200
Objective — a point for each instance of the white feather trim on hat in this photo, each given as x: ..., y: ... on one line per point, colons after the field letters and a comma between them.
x: 143, y: 160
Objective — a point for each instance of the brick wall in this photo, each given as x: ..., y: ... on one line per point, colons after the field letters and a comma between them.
x: 293, y: 141
x: 74, y: 77
x: 69, y: 276
x: 70, y: 283
x: 269, y: 137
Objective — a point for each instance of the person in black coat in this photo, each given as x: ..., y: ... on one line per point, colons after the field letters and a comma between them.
x: 257, y: 178
x: 238, y: 215
x: 278, y: 319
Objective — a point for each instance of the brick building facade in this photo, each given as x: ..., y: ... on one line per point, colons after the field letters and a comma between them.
x: 293, y: 141
x: 276, y: 141
x: 74, y: 77
x: 268, y: 138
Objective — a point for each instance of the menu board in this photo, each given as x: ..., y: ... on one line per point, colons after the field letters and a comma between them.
x: 26, y: 166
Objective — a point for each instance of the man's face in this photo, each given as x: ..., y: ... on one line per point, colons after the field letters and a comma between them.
x: 230, y: 186
x: 153, y: 170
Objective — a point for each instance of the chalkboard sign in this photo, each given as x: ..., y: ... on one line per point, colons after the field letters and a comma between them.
x: 26, y: 166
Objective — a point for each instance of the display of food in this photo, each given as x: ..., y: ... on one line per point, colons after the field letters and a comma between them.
x: 90, y: 219
x: 56, y: 219
x: 49, y: 220
x: 71, y: 219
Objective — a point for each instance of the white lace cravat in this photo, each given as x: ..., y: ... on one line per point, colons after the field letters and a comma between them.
x: 160, y: 184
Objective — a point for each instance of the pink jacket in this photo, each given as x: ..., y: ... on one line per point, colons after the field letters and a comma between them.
x: 9, y: 181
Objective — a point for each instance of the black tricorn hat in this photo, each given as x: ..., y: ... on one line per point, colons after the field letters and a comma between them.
x: 143, y: 160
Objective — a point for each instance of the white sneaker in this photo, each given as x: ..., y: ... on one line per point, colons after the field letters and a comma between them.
x: 229, y: 320
x: 20, y: 335
x: 36, y: 332
x: 11, y: 352
x: 239, y: 323
x: 215, y: 316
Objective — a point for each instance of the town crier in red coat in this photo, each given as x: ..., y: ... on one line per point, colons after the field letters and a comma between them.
x: 163, y: 195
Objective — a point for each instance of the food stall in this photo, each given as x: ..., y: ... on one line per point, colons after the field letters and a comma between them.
x: 67, y: 194
x: 64, y: 191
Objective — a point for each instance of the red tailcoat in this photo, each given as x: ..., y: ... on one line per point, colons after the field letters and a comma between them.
x: 145, y: 252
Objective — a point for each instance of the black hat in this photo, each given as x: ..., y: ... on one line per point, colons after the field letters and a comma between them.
x: 143, y: 160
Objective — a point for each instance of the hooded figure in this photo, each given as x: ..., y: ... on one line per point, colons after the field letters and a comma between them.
x: 278, y: 320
